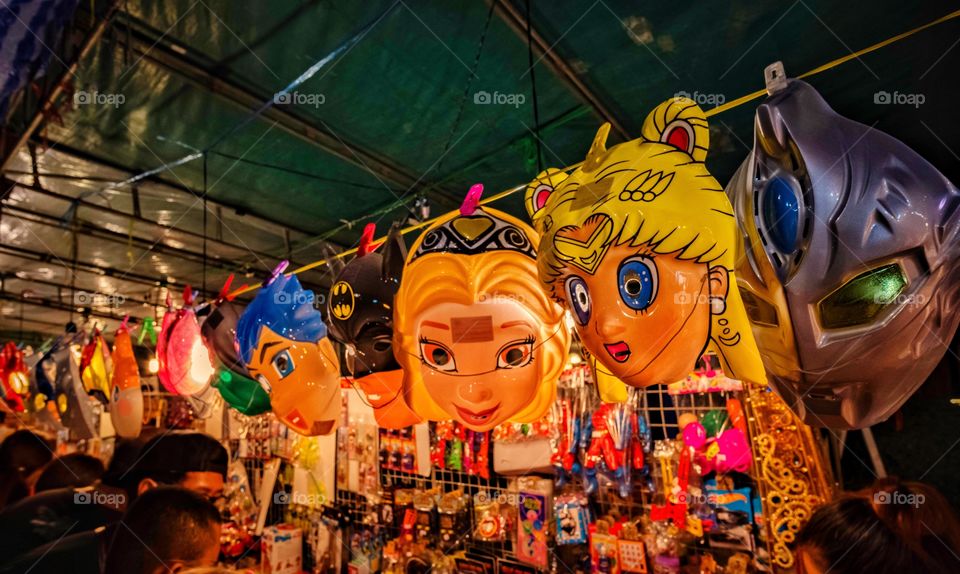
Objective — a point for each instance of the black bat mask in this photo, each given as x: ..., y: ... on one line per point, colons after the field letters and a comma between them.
x: 360, y: 307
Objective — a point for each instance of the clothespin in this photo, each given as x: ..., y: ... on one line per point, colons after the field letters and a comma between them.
x: 123, y: 324
x: 280, y: 268
x: 366, y: 240
x: 472, y: 200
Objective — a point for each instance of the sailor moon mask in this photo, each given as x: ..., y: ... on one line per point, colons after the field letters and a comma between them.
x: 851, y: 272
x: 478, y: 339
x: 639, y: 244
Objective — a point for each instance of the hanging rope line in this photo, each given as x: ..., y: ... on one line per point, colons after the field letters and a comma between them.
x: 709, y: 113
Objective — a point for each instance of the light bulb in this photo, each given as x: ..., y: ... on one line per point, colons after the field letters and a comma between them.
x: 153, y: 365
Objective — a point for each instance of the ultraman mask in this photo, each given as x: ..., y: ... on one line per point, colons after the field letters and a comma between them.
x: 850, y: 274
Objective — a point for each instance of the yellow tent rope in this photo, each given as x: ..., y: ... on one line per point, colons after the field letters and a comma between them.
x: 711, y: 112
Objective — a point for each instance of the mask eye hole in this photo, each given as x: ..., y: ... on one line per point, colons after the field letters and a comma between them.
x: 382, y: 344
x: 780, y: 214
x: 759, y: 311
x: 437, y: 356
x: 861, y: 299
x: 637, y: 279
x: 515, y: 355
x: 578, y: 296
x: 283, y: 363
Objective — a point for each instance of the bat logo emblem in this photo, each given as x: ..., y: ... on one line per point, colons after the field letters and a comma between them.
x: 341, y: 301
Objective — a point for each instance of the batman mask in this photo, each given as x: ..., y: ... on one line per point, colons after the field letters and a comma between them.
x: 360, y: 307
x: 850, y: 274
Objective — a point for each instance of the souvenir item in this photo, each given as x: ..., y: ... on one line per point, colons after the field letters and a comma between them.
x: 282, y: 341
x: 219, y: 332
x: 96, y: 367
x: 360, y: 311
x: 851, y: 271
x: 14, y: 380
x: 126, y: 398
x: 241, y: 393
x: 185, y: 365
x: 58, y: 370
x: 478, y: 339
x: 532, y: 528
x: 572, y: 518
x: 639, y: 243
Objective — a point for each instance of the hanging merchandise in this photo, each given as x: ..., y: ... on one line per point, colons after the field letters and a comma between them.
x: 639, y: 243
x: 532, y: 520
x: 849, y: 334
x: 282, y: 341
x: 58, y: 371
x: 219, y: 332
x: 14, y: 379
x: 96, y: 367
x: 126, y: 397
x: 185, y: 366
x: 478, y: 339
x: 360, y: 310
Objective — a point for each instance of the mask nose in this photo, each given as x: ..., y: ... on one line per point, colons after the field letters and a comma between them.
x: 474, y: 392
x: 610, y: 329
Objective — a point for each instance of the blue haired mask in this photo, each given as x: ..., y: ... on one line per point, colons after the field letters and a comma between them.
x: 285, y: 308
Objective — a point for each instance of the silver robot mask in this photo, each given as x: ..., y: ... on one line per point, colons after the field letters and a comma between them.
x: 850, y: 274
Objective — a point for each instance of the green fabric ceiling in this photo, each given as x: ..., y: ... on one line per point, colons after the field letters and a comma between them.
x: 404, y: 95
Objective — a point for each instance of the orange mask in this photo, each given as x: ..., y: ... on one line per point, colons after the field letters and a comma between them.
x: 126, y: 398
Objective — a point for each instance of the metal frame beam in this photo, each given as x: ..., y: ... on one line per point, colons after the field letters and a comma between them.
x: 167, y: 230
x: 58, y: 88
x: 278, y: 227
x: 175, y: 59
x: 517, y: 22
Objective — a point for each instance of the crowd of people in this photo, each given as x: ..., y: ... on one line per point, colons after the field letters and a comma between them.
x: 153, y: 510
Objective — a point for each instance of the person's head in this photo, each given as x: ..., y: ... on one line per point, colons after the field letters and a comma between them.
x: 478, y: 339
x: 25, y: 452
x: 192, y: 460
x: 23, y: 455
x: 639, y: 243
x: 890, y: 528
x: 75, y: 469
x: 167, y: 529
x: 282, y: 341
